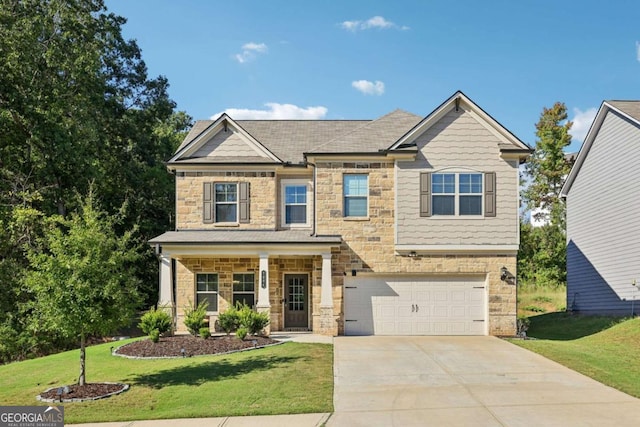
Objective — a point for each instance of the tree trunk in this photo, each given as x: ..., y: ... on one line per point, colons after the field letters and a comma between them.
x: 82, y: 360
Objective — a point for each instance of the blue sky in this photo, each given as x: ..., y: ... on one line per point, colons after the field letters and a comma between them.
x: 363, y: 59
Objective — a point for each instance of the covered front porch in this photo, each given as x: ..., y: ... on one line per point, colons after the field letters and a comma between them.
x: 287, y: 274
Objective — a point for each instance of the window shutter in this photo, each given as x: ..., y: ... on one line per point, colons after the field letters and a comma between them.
x: 490, y: 194
x: 244, y: 202
x: 207, y: 197
x: 425, y: 194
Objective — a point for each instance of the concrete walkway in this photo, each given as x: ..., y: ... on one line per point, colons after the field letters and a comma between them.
x: 465, y: 381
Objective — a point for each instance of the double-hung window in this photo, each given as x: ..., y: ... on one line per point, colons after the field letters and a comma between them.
x: 295, y: 207
x: 207, y: 290
x: 356, y: 193
x: 456, y: 194
x: 244, y: 289
x: 226, y: 202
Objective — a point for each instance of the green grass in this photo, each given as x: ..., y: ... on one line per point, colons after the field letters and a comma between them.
x: 284, y: 379
x: 603, y: 348
x: 535, y: 300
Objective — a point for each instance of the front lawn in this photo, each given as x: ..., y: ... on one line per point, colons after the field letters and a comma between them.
x: 284, y: 379
x: 603, y: 348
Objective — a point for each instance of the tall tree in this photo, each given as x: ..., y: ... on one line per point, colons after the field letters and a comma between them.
x: 82, y: 281
x: 77, y: 106
x: 542, y: 256
x: 548, y: 167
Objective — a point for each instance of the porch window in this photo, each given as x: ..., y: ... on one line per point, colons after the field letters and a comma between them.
x: 207, y: 289
x: 244, y: 289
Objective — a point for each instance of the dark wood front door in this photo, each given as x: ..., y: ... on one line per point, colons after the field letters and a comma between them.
x: 296, y: 301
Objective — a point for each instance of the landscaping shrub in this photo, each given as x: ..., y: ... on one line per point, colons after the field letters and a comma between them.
x: 523, y: 325
x: 229, y: 320
x: 155, y: 320
x: 154, y: 334
x: 204, y: 332
x: 241, y: 332
x: 194, y: 317
x: 252, y: 321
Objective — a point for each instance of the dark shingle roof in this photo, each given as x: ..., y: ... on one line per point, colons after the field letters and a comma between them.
x: 632, y: 108
x: 226, y: 237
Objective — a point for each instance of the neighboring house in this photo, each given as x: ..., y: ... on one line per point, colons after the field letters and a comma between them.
x: 603, y: 214
x: 539, y: 216
x: 401, y: 225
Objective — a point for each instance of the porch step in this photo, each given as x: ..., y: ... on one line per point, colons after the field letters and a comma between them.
x: 296, y: 330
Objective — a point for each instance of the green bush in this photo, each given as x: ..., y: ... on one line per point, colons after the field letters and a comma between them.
x: 194, y: 317
x: 534, y: 308
x: 241, y: 332
x: 252, y: 321
x: 154, y: 334
x: 229, y: 320
x: 153, y: 320
x: 204, y: 332
x: 523, y: 325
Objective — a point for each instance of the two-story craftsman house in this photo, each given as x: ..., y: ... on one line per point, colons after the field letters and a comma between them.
x: 402, y: 225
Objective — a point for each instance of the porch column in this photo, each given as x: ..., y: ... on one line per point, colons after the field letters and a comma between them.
x: 328, y: 325
x: 165, y: 297
x: 326, y: 296
x: 263, y: 305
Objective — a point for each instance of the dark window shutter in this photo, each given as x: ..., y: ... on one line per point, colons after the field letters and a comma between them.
x: 490, y: 194
x: 425, y: 194
x: 207, y: 197
x: 244, y: 202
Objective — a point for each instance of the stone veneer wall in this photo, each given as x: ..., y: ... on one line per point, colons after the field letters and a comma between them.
x: 226, y: 266
x: 189, y: 199
x: 369, y: 243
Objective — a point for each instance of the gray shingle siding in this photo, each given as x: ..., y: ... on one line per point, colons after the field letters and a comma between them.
x: 603, y: 221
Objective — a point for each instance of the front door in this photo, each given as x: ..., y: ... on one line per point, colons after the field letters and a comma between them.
x: 296, y: 301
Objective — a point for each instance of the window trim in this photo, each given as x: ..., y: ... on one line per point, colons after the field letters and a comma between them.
x: 457, y: 194
x: 216, y: 203
x: 254, y: 293
x: 217, y: 292
x: 283, y: 205
x: 344, y: 197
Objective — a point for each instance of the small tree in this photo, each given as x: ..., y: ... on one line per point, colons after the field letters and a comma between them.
x: 82, y: 279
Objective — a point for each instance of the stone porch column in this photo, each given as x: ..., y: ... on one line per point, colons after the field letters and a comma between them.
x: 263, y: 305
x: 328, y: 324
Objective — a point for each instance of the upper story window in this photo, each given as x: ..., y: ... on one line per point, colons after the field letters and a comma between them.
x: 226, y: 203
x: 458, y: 194
x: 207, y: 290
x: 295, y: 203
x: 356, y: 194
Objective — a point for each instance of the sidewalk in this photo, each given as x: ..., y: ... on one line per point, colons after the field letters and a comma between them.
x: 296, y: 420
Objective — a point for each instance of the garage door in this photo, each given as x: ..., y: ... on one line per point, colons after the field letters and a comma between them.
x: 414, y: 306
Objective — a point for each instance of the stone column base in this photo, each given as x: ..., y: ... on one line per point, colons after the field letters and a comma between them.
x: 327, y: 324
x: 265, y: 309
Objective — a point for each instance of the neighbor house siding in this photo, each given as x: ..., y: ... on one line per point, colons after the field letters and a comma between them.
x: 457, y: 143
x: 603, y: 221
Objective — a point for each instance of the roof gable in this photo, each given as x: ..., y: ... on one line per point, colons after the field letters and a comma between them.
x: 508, y: 141
x: 222, y: 141
x: 628, y: 109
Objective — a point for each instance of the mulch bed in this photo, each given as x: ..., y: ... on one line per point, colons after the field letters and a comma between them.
x: 193, y: 346
x: 89, y: 391
x: 167, y: 347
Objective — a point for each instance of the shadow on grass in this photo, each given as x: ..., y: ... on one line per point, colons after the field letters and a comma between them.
x: 563, y: 326
x: 211, y: 371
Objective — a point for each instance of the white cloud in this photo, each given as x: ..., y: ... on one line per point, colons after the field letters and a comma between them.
x: 369, y: 88
x: 275, y: 111
x: 377, y: 22
x: 250, y: 51
x: 581, y: 123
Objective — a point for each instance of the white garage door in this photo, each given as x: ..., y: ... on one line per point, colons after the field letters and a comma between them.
x: 414, y: 306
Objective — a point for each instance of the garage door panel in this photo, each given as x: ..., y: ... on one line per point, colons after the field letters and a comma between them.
x: 414, y: 306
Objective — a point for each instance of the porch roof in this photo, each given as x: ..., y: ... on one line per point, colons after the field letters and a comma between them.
x: 238, y: 237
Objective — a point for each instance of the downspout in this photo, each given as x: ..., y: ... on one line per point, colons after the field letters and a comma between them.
x: 315, y: 198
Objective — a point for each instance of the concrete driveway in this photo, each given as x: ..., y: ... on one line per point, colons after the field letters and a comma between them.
x: 465, y: 381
